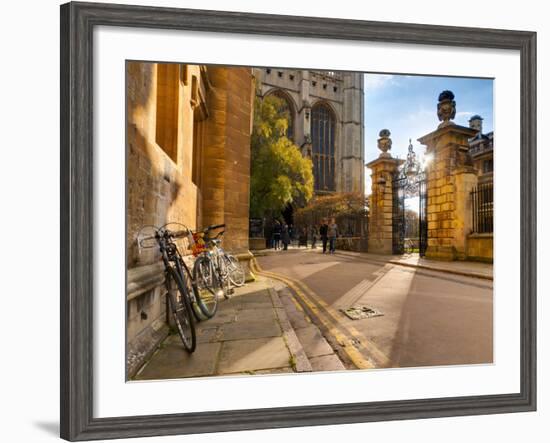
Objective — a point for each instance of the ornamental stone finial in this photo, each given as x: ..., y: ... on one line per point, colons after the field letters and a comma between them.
x: 446, y: 108
x: 384, y: 142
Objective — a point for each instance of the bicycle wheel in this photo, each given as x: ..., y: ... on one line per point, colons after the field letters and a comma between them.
x: 193, y: 299
x: 181, y: 309
x: 207, y: 284
x: 236, y: 271
x: 223, y: 275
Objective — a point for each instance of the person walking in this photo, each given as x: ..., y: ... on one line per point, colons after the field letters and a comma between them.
x: 277, y: 235
x: 268, y: 233
x: 332, y: 234
x: 302, y: 239
x: 285, y: 236
x: 323, y: 231
x: 313, y: 234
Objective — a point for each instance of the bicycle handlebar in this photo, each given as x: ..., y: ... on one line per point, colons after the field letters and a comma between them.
x: 166, y: 233
x: 212, y: 227
x: 163, y: 232
x: 218, y: 235
x: 181, y: 233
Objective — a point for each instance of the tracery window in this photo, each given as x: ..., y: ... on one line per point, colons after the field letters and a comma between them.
x: 323, y: 127
x: 289, y: 109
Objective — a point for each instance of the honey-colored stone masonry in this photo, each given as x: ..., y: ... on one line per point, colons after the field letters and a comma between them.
x: 381, y: 204
x: 188, y: 161
x: 450, y: 178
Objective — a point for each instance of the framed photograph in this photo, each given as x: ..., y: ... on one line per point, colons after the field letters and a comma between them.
x: 272, y: 221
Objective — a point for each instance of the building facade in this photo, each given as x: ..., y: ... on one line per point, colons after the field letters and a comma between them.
x: 481, y: 150
x: 188, y: 161
x: 326, y: 122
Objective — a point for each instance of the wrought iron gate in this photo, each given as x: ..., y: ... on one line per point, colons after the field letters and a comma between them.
x: 409, y: 181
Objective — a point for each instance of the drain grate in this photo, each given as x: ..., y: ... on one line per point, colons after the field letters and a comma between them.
x: 361, y: 312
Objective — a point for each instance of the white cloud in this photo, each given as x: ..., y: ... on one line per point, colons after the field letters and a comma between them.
x: 379, y: 81
x: 465, y: 113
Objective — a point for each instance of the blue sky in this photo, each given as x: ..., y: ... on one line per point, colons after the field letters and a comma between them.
x: 407, y: 106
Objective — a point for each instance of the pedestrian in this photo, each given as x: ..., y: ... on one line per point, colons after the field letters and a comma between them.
x: 291, y: 233
x: 323, y: 231
x: 302, y: 239
x: 268, y: 233
x: 277, y: 235
x: 285, y: 236
x: 332, y: 234
x: 313, y: 235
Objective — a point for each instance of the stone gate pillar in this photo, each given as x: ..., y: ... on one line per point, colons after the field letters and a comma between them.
x: 381, y: 204
x: 450, y: 177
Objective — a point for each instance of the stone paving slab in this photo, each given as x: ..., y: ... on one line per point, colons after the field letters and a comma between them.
x: 250, y: 315
x: 253, y: 355
x: 173, y: 361
x: 313, y: 341
x: 251, y: 329
x: 327, y: 363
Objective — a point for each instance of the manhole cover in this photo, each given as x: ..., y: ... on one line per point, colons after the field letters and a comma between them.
x: 361, y: 312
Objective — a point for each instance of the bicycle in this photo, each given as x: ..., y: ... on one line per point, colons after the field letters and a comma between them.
x: 207, y: 281
x: 229, y: 269
x: 176, y: 281
x: 192, y: 300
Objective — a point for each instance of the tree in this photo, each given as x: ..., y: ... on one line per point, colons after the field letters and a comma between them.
x: 411, y: 223
x: 337, y: 204
x: 280, y: 175
x: 349, y: 208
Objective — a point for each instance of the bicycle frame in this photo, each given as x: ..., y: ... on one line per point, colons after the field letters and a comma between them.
x: 170, y: 253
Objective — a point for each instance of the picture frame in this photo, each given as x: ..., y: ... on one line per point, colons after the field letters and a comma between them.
x: 78, y: 21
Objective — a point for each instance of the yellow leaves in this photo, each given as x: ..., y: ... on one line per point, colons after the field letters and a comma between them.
x: 280, y: 174
x: 336, y: 204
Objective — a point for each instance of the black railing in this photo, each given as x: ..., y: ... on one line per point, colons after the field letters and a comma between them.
x: 482, y: 208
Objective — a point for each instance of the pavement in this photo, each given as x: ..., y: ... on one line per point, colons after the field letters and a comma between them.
x: 256, y: 331
x: 293, y: 318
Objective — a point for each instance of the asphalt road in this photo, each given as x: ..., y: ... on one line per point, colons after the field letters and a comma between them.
x: 429, y: 318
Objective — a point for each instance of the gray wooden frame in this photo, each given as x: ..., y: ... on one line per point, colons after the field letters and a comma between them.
x: 77, y: 24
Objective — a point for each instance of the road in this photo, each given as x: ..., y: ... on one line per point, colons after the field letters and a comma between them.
x: 429, y: 318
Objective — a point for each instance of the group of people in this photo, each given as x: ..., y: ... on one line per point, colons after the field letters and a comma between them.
x: 328, y: 232
x: 281, y: 234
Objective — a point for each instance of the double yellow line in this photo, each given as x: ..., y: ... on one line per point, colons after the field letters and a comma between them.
x: 332, y: 322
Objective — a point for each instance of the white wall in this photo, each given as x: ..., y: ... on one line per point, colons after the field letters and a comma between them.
x: 29, y: 188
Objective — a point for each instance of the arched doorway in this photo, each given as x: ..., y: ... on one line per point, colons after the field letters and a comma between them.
x: 409, y: 214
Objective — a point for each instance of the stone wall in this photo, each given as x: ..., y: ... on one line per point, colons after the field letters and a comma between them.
x: 356, y: 244
x: 188, y: 155
x: 480, y: 247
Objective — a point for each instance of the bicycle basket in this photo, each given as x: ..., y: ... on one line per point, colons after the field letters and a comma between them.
x: 199, y: 245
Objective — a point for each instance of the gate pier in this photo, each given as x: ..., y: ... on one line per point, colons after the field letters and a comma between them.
x: 450, y: 178
x: 381, y: 204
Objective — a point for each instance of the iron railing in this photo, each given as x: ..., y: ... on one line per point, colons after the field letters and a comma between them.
x: 482, y: 208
